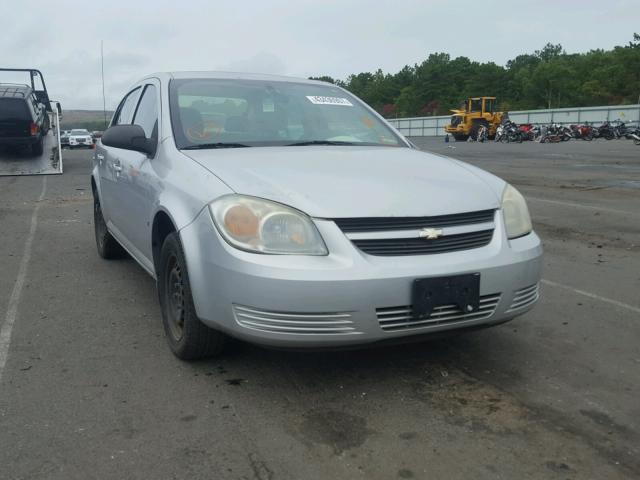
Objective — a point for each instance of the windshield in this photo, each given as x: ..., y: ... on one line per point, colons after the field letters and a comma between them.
x: 209, y: 113
x: 79, y: 132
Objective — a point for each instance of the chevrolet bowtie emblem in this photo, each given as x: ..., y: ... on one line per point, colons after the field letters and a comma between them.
x: 430, y: 233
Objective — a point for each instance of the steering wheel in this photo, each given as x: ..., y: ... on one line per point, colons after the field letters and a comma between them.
x: 208, y: 131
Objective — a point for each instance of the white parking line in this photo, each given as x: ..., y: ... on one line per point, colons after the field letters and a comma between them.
x: 594, y: 296
x: 578, y: 205
x: 14, y: 299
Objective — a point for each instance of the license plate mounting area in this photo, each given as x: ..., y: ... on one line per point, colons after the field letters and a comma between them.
x: 430, y: 293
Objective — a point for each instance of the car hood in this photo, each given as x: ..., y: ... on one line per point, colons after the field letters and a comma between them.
x: 352, y: 181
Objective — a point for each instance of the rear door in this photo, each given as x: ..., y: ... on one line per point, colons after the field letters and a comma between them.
x: 110, y: 167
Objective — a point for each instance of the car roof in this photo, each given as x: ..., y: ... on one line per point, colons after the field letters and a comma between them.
x: 14, y: 90
x: 232, y: 76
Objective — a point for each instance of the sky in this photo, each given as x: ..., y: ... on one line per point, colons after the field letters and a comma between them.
x: 296, y: 37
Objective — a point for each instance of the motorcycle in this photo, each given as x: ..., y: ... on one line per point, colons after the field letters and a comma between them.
x: 634, y: 135
x: 620, y: 129
x: 562, y: 133
x: 526, y: 131
x: 550, y: 134
x: 535, y: 133
x: 509, y: 132
x: 606, y: 131
x: 584, y: 131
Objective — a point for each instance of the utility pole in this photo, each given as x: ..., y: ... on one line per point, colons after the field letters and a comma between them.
x: 104, y: 101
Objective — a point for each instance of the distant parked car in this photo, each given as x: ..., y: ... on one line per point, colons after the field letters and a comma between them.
x: 80, y: 138
x: 96, y: 134
x: 24, y: 121
x: 64, y: 138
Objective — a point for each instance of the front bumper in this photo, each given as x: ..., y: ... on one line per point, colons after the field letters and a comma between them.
x: 347, y: 297
x: 80, y: 143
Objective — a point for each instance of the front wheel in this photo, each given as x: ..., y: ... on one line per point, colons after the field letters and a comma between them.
x: 188, y: 337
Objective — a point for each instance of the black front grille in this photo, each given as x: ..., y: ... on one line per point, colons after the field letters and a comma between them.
x: 373, y: 224
x: 421, y: 246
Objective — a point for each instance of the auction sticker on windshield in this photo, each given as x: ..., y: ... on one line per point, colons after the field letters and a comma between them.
x: 317, y: 100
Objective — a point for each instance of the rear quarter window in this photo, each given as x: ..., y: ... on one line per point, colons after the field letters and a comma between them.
x: 14, y: 109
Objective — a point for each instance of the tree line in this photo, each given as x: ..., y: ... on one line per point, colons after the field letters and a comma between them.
x: 547, y: 78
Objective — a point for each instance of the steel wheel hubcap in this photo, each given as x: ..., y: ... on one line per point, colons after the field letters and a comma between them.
x: 175, y: 298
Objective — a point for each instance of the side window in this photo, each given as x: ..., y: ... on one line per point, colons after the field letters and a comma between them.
x: 147, y: 112
x: 34, y: 103
x: 125, y: 110
x: 488, y: 105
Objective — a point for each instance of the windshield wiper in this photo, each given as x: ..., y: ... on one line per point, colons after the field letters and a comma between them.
x: 318, y: 142
x: 203, y: 146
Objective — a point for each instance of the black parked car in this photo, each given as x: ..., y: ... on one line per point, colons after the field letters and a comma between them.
x: 24, y: 121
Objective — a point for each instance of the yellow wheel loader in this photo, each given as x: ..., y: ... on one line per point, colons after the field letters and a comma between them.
x: 476, y: 113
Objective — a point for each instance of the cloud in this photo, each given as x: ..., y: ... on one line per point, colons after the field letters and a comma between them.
x: 263, y: 62
x: 300, y: 38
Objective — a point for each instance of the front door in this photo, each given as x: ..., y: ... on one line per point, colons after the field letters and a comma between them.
x: 136, y: 180
x: 109, y: 161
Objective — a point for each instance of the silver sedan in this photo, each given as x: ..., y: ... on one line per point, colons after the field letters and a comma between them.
x: 287, y: 212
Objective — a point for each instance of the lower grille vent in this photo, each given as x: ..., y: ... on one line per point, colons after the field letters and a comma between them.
x: 392, y: 319
x: 294, y: 322
x: 525, y: 297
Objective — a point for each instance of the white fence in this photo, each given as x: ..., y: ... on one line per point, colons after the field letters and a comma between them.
x: 434, y: 126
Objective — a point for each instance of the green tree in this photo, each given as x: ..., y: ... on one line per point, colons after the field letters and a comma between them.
x: 548, y: 77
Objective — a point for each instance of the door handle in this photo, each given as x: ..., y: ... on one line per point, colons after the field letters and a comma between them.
x: 100, y: 158
x: 117, y: 167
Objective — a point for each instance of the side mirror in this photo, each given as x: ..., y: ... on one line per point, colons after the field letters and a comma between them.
x: 129, y: 137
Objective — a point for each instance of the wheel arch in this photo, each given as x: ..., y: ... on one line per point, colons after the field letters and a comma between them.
x: 163, y: 225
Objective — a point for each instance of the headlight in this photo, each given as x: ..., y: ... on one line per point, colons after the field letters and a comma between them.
x: 516, y: 214
x: 263, y: 226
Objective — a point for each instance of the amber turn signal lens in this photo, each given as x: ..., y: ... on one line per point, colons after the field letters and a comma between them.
x: 240, y: 221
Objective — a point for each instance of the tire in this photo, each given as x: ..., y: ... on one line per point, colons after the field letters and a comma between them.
x: 588, y: 137
x: 188, y: 337
x: 107, y: 246
x: 476, y: 127
x: 38, y: 148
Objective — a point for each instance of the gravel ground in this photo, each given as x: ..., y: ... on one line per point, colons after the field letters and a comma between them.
x: 91, y: 391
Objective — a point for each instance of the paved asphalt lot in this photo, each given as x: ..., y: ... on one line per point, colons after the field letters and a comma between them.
x: 90, y: 390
